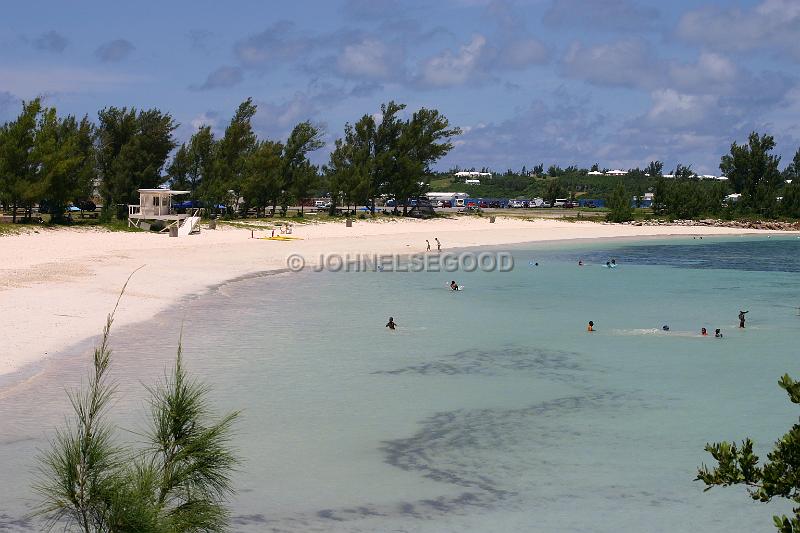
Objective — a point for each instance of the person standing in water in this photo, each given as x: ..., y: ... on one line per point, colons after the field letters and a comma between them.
x: 718, y: 333
x: 741, y: 318
x: 703, y: 332
x: 591, y: 326
x: 391, y: 324
x: 454, y: 285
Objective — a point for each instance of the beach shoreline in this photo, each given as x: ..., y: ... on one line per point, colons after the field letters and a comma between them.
x: 57, y: 286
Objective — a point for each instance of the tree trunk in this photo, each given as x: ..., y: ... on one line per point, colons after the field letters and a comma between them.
x: 14, y: 213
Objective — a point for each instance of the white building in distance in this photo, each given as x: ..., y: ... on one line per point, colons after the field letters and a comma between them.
x: 473, y: 174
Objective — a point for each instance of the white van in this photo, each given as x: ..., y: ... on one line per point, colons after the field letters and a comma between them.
x: 536, y: 202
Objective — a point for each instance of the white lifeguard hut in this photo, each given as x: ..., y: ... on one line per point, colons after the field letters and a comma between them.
x: 156, y: 205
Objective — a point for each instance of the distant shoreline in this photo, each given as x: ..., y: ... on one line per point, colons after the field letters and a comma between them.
x: 58, y: 285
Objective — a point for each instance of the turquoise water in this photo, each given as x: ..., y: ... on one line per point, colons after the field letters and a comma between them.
x: 489, y: 409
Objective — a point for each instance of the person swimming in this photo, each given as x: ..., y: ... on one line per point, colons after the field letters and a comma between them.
x: 703, y: 332
x: 665, y: 327
x: 391, y: 324
x: 614, y: 262
x: 718, y: 333
x: 741, y: 318
x: 453, y: 285
x: 580, y: 262
x: 591, y: 326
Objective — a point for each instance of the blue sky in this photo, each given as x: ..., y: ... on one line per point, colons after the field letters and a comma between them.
x: 618, y: 82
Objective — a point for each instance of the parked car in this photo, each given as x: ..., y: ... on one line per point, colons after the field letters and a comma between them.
x: 483, y: 205
x: 447, y: 203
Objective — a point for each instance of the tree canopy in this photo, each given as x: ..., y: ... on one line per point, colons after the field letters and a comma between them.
x: 778, y: 477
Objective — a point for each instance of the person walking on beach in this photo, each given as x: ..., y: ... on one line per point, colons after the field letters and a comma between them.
x: 391, y: 324
x: 741, y: 318
x: 438, y: 244
x: 428, y: 249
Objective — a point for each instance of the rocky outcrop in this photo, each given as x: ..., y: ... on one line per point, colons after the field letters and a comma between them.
x: 743, y: 224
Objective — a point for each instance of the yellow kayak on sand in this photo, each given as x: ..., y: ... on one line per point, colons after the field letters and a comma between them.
x: 280, y: 238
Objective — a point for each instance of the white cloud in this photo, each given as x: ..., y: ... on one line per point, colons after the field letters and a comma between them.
x: 477, y: 60
x: 278, y: 43
x: 449, y: 68
x: 204, y: 119
x: 711, y: 73
x: 276, y: 120
x: 626, y: 63
x: 771, y: 24
x: 673, y: 109
x: 369, y: 58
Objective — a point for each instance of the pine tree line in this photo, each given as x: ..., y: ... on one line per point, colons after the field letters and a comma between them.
x: 50, y: 161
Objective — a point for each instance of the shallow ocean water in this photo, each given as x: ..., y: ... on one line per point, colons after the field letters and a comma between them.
x: 489, y: 409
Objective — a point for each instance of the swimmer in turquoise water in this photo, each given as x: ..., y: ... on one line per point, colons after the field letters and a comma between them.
x: 391, y: 324
x: 741, y: 318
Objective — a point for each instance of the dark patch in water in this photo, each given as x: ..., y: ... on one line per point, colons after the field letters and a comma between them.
x: 754, y: 255
x: 329, y: 515
x: 539, y: 361
x: 489, y: 452
x: 249, y: 519
x: 10, y: 524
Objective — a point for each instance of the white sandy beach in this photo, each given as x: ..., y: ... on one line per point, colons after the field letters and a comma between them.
x: 57, y: 286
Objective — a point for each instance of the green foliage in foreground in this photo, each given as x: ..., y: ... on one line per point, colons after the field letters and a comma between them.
x: 778, y: 477
x: 178, y: 483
